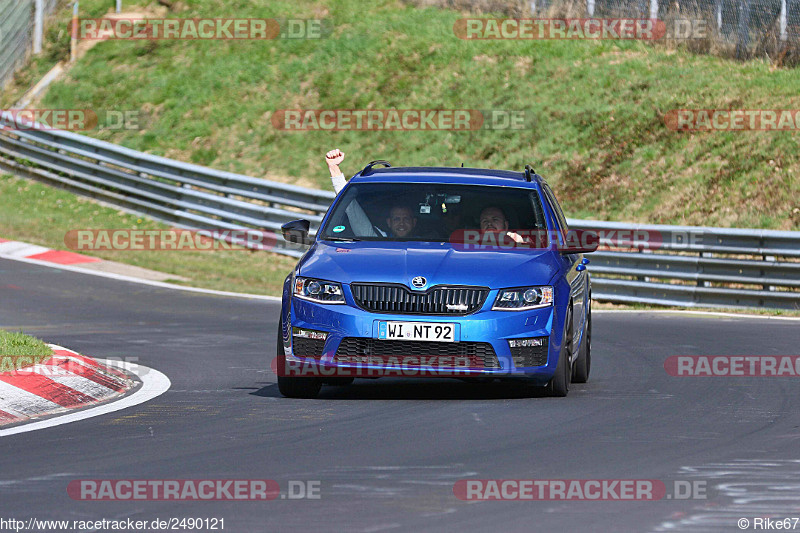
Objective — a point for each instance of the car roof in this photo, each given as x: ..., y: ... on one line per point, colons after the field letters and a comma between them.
x: 466, y: 176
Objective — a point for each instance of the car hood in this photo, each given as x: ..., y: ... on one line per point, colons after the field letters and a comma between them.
x: 439, y: 263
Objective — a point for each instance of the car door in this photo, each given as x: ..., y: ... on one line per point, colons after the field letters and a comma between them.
x: 576, y: 271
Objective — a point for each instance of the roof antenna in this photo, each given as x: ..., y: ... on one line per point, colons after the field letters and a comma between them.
x: 462, y: 164
x: 368, y: 169
x: 529, y: 172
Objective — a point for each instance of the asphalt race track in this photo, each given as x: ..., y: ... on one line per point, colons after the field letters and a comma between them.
x: 387, y: 453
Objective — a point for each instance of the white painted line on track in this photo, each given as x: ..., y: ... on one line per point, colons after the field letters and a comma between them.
x: 154, y: 384
x: 132, y: 279
x: 21, y: 249
x: 689, y: 312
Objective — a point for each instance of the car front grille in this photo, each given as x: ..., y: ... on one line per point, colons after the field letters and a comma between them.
x: 305, y: 347
x: 477, y: 355
x: 530, y: 355
x: 399, y: 299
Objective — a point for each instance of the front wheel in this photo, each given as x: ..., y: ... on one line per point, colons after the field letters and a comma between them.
x: 559, y: 385
x: 294, y: 387
x: 583, y: 365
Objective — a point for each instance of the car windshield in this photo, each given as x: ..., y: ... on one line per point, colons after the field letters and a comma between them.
x: 429, y: 212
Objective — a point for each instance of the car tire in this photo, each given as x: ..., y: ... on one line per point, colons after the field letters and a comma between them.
x: 338, y: 382
x: 294, y: 387
x: 580, y: 372
x: 559, y: 385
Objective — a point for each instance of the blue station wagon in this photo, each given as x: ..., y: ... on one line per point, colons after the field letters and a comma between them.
x: 429, y: 271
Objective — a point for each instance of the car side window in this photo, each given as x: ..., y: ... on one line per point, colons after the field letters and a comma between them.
x: 562, y: 220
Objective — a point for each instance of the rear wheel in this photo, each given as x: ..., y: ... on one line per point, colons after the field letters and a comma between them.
x: 294, y: 387
x: 583, y: 365
x: 559, y: 385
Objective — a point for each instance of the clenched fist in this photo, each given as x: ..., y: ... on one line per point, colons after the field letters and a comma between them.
x: 334, y: 157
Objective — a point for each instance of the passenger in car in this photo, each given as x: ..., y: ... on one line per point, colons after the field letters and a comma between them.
x: 401, y: 221
x: 494, y: 218
x: 362, y: 226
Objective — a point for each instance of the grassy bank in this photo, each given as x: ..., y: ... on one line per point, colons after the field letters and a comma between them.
x: 595, y: 108
x: 18, y: 350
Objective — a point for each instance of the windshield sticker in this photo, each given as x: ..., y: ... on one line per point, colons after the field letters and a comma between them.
x: 338, y: 229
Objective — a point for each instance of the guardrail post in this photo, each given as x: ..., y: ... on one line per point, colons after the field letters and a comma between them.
x: 768, y: 258
x: 119, y: 6
x: 38, y: 25
x: 73, y: 45
x: 700, y: 282
x: 784, y: 33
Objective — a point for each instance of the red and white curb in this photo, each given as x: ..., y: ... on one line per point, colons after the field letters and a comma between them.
x: 68, y: 381
x: 23, y: 250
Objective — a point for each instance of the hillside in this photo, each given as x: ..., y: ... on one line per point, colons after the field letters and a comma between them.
x: 595, y: 110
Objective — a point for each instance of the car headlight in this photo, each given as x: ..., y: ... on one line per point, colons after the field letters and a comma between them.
x: 523, y: 298
x: 326, y: 292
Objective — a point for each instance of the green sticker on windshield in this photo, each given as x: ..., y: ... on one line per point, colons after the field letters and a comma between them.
x: 338, y: 229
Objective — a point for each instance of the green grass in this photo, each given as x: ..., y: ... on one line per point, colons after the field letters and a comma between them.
x: 39, y: 214
x: 18, y: 350
x: 597, y: 109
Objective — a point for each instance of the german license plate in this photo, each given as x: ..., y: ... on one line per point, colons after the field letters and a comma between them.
x: 417, y: 331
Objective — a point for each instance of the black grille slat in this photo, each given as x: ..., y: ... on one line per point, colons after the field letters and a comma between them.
x: 305, y: 347
x: 480, y: 353
x: 386, y: 298
x: 530, y: 355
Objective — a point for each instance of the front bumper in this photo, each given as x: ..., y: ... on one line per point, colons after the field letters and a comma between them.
x: 351, y: 344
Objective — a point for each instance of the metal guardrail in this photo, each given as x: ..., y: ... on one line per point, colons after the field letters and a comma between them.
x: 680, y: 265
x: 181, y: 194
x: 696, y: 266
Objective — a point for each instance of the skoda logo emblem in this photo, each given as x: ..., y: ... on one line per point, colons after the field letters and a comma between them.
x: 418, y: 282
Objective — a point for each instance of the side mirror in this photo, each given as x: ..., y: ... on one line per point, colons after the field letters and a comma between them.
x: 580, y: 241
x: 296, y: 231
x: 577, y: 250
